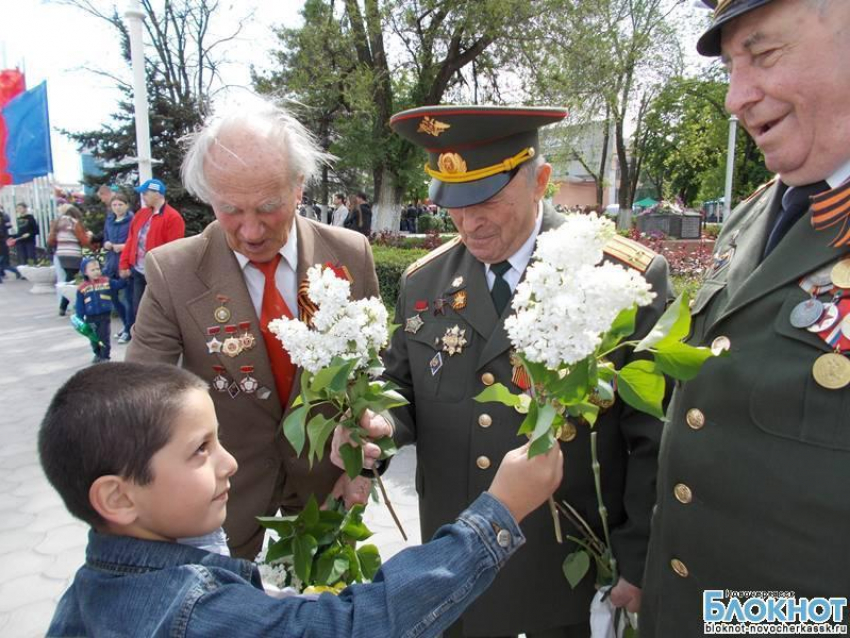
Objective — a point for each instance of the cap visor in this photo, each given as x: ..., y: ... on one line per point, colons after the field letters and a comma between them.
x: 469, y: 193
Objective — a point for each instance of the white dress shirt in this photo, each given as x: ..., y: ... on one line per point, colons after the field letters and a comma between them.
x: 286, y: 276
x: 840, y: 176
x: 519, y: 260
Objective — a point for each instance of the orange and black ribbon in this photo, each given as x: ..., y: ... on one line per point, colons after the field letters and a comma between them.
x: 306, y: 308
x: 831, y: 209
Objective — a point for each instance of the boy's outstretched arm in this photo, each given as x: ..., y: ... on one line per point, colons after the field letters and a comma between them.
x: 420, y: 591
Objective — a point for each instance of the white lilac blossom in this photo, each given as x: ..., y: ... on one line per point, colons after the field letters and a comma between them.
x: 340, y: 327
x: 569, y: 299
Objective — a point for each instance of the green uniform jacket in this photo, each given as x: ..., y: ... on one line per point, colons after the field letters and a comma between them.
x: 754, y: 471
x: 460, y: 443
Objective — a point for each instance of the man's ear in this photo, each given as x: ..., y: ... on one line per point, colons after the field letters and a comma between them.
x: 111, y: 497
x: 543, y: 175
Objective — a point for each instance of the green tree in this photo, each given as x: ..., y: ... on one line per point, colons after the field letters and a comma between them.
x: 182, y: 65
x: 340, y: 67
x: 686, y: 146
x: 605, y: 60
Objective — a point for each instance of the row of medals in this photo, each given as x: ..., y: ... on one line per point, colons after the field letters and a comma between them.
x: 830, y: 320
x: 232, y: 346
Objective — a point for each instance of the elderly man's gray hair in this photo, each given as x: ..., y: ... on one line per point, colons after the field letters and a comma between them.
x: 259, y: 117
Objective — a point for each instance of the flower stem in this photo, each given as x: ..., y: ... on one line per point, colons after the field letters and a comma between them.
x: 624, y: 344
x: 603, y: 512
x: 387, y: 501
x: 556, y: 520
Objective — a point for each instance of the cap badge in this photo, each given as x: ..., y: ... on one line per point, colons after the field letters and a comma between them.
x: 432, y: 127
x: 451, y: 163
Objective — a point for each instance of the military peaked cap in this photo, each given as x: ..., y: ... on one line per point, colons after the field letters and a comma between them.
x: 473, y: 151
x: 724, y: 11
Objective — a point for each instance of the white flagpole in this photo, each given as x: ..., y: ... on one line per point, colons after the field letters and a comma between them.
x: 135, y: 16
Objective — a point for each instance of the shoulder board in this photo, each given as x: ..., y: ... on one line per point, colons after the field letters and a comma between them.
x: 440, y: 250
x: 630, y: 252
x: 761, y: 189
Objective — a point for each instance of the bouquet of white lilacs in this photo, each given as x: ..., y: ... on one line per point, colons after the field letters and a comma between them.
x: 337, y: 348
x: 571, y: 312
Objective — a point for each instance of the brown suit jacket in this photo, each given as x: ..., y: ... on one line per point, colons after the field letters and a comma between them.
x: 185, y: 279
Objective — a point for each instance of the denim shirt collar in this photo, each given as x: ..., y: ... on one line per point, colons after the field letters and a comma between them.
x: 125, y: 555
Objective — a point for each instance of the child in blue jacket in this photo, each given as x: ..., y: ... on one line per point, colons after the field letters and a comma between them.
x: 94, y: 305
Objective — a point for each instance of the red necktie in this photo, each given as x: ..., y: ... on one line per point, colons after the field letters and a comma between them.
x: 274, y: 307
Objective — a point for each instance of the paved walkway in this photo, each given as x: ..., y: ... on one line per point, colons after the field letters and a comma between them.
x: 41, y: 545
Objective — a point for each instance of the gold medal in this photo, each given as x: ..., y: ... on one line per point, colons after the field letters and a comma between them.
x: 459, y: 300
x: 454, y: 340
x: 222, y: 313
x: 232, y: 347
x: 840, y: 274
x: 832, y: 371
x: 248, y: 340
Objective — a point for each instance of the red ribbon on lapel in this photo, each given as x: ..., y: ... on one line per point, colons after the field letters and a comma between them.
x: 830, y: 209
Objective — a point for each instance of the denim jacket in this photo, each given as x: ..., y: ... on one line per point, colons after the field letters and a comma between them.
x: 133, y: 587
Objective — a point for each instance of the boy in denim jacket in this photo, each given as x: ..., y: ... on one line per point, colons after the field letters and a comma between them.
x: 143, y: 465
x: 94, y: 305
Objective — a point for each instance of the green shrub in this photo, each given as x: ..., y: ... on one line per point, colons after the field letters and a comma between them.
x: 712, y: 230
x: 390, y: 264
x: 429, y: 222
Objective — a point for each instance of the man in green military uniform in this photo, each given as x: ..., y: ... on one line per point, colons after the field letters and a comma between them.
x: 487, y: 170
x: 755, y: 460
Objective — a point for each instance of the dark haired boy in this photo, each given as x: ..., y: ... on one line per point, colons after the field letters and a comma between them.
x: 143, y: 465
x: 94, y: 305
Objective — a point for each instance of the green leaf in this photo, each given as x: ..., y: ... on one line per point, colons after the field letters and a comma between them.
x: 545, y: 416
x: 541, y: 445
x: 681, y: 361
x: 527, y: 426
x: 303, y: 549
x: 574, y: 386
x: 498, y: 393
x: 293, y: 428
x: 674, y: 325
x: 307, y: 394
x: 354, y: 569
x: 283, y: 527
x: 318, y: 430
x: 356, y: 530
x: 387, y: 445
x: 575, y: 567
x: 340, y: 380
x: 623, y: 326
x: 641, y: 385
x: 606, y: 372
x: 352, y: 457
x: 279, y: 549
x: 586, y: 410
x: 331, y: 566
x: 297, y: 401
x: 322, y: 379
x: 310, y: 514
x: 370, y: 561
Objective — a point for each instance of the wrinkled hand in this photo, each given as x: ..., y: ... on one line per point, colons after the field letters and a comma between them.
x: 10, y: 242
x: 352, y: 491
x: 523, y: 484
x: 376, y: 427
x: 124, y: 274
x: 624, y: 594
x: 107, y: 245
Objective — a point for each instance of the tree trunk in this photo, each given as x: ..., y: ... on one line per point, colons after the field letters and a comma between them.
x: 386, y: 211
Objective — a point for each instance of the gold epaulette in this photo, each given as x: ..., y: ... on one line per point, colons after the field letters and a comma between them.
x: 440, y: 250
x: 761, y: 189
x: 630, y: 252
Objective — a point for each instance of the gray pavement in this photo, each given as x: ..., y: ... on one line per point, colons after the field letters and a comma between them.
x: 41, y: 545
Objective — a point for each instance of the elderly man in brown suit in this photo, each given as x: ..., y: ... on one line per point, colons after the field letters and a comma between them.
x: 210, y: 298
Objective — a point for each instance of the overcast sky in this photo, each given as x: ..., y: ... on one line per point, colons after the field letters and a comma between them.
x: 56, y: 43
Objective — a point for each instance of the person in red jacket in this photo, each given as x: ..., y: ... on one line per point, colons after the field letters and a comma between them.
x: 154, y: 225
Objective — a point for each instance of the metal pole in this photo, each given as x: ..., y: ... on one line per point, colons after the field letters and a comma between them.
x: 135, y: 16
x: 730, y: 167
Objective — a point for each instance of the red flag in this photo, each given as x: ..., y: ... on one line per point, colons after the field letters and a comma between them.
x: 12, y: 83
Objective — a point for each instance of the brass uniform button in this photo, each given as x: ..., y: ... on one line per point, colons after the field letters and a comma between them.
x: 683, y: 493
x: 720, y: 345
x: 485, y: 420
x: 679, y: 567
x: 482, y: 462
x: 488, y: 379
x: 695, y: 419
x: 568, y: 432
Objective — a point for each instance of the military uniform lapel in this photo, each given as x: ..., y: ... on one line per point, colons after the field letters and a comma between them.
x: 479, y: 312
x: 220, y: 272
x: 802, y: 251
